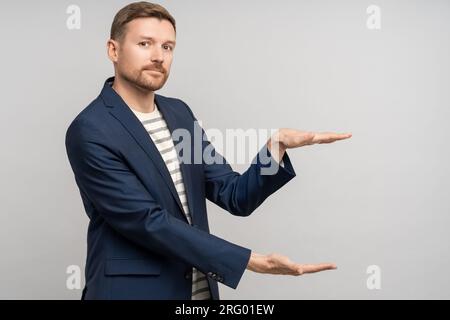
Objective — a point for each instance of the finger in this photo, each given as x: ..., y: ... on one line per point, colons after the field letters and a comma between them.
x: 333, y: 136
x: 296, y: 269
x: 328, y: 137
x: 312, y: 268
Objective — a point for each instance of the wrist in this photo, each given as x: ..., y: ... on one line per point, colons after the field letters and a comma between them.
x: 278, y: 137
x: 256, y: 262
x: 276, y: 145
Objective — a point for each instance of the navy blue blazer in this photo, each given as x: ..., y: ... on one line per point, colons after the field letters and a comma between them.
x: 139, y: 243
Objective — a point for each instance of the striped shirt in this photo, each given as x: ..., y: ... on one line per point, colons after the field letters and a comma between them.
x: 157, y: 128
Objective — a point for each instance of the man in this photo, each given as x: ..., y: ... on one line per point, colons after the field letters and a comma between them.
x: 148, y: 235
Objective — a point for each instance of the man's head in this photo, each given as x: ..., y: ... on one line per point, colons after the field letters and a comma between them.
x: 141, y: 45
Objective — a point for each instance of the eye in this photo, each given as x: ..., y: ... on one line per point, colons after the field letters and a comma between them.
x: 167, y: 47
x: 144, y: 44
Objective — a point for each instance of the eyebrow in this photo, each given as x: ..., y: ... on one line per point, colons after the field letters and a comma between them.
x: 150, y: 38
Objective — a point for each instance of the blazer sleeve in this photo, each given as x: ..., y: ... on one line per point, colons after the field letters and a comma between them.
x: 241, y: 194
x: 126, y: 205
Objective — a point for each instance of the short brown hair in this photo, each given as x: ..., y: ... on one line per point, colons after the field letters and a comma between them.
x: 137, y: 10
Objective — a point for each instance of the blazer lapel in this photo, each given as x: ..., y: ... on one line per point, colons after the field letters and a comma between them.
x: 173, y: 123
x: 123, y: 114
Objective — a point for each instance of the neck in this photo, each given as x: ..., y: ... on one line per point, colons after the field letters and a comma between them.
x: 140, y: 99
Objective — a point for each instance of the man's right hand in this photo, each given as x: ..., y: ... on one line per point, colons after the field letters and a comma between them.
x: 279, y: 264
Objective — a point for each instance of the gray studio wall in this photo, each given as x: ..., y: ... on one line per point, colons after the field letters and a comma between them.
x: 380, y: 198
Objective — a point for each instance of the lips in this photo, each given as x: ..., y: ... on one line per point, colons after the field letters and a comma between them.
x: 153, y: 70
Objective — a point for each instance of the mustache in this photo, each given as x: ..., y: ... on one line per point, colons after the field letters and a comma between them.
x: 155, y: 68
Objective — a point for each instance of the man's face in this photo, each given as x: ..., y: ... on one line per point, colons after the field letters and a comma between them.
x: 145, y: 53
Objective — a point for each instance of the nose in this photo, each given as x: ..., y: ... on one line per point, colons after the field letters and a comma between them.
x: 157, y: 55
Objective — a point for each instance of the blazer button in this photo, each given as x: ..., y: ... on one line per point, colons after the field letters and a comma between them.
x: 188, y: 275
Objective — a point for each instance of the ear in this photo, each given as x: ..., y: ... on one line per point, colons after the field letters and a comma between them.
x: 113, y: 50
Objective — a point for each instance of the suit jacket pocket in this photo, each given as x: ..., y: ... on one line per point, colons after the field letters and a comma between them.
x: 121, y: 267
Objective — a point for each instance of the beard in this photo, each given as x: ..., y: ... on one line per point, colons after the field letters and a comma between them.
x: 145, y: 80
